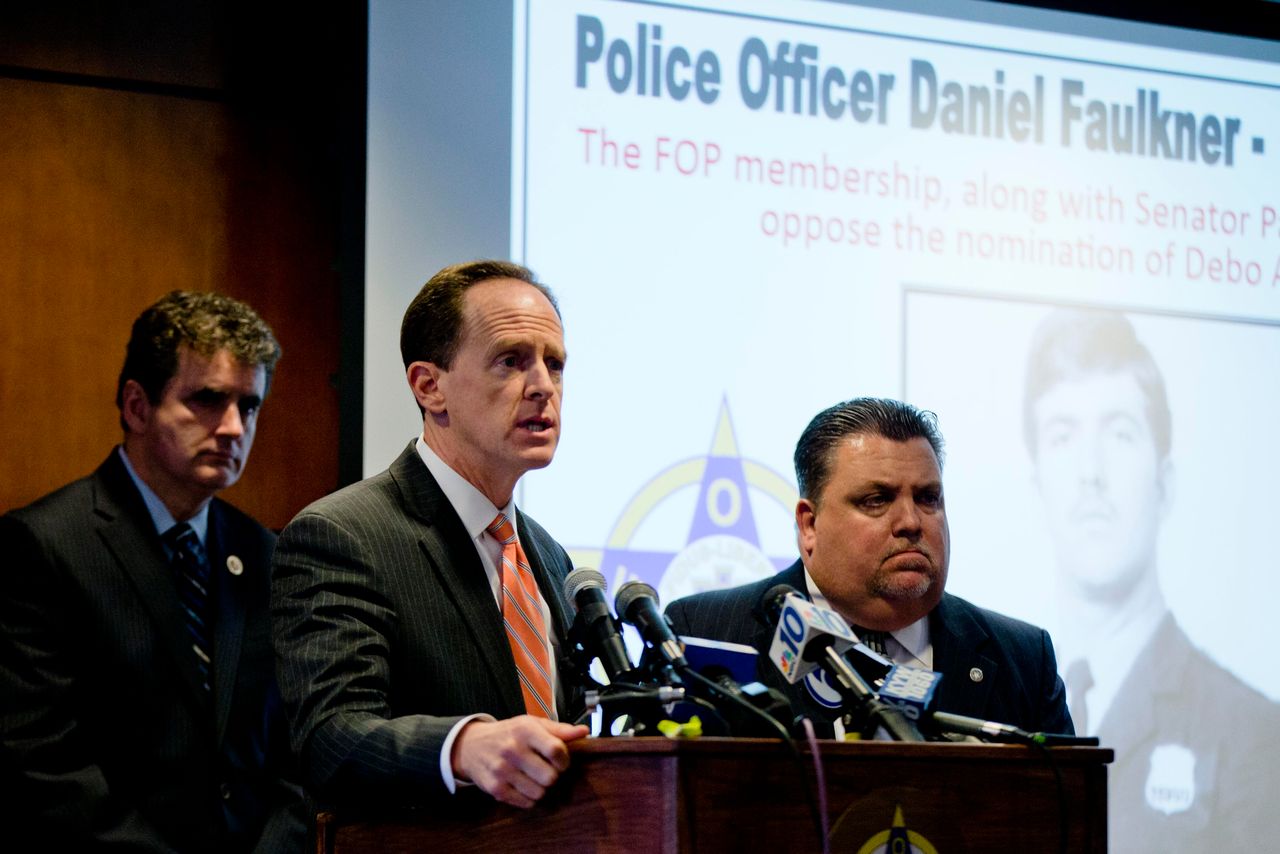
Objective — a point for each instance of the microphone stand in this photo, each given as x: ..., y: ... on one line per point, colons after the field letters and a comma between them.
x: 867, y: 707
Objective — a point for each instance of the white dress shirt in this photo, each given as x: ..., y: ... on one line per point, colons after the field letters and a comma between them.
x: 477, y: 512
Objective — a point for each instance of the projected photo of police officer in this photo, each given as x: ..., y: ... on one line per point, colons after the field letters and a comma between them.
x: 1194, y: 744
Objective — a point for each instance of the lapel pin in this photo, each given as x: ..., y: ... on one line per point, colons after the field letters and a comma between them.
x: 975, y: 674
x: 235, y: 565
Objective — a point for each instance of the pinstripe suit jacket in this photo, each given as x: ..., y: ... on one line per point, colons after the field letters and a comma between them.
x: 994, y: 667
x: 387, y: 634
x: 107, y: 735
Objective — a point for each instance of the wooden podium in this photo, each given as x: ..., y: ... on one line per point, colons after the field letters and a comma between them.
x: 711, y: 795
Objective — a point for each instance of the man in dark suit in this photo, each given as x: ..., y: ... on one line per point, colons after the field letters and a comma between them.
x: 874, y: 543
x: 137, y: 693
x: 418, y: 634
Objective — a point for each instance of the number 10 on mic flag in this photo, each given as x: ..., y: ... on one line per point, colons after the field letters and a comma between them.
x: 801, y: 623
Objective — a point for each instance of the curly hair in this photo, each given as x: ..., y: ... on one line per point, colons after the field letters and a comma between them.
x: 204, y: 322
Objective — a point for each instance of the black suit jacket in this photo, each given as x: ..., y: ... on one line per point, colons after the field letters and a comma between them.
x: 107, y: 734
x: 388, y: 634
x: 993, y: 667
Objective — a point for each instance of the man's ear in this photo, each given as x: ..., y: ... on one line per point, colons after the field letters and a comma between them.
x: 135, y: 407
x: 424, y: 379
x: 806, y: 535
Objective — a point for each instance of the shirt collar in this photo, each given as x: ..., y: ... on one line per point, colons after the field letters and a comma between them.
x: 476, y: 511
x: 915, y: 640
x: 160, y: 515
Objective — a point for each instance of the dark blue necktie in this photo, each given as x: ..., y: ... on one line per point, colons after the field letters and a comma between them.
x: 191, y: 576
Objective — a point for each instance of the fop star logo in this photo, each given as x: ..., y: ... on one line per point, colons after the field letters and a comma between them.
x: 898, y: 839
x: 722, y: 547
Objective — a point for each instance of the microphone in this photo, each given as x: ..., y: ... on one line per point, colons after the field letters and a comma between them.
x: 873, y: 666
x: 729, y: 674
x: 911, y: 690
x: 804, y: 632
x: 808, y: 637
x: 594, y: 627
x: 637, y: 604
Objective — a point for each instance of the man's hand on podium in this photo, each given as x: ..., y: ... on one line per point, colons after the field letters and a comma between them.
x: 514, y: 760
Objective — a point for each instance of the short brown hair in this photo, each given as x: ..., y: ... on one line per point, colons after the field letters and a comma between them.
x: 1072, y: 344
x: 432, y: 326
x: 204, y: 322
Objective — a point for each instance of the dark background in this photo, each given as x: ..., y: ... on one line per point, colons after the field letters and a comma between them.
x: 148, y: 146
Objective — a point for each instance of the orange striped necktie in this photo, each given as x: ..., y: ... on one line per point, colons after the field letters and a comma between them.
x: 522, y: 616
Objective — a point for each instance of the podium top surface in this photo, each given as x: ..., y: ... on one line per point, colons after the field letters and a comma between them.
x: 870, y: 750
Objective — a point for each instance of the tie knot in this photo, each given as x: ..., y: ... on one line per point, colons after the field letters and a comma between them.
x: 180, y: 536
x: 182, y: 540
x: 502, y: 529
x: 872, y: 639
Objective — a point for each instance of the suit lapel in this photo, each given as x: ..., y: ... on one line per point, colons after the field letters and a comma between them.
x: 448, y: 548
x: 1152, y: 675
x: 126, y: 527
x: 957, y: 640
x: 230, y: 593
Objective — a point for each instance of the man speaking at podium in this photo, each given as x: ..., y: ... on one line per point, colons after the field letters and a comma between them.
x: 872, y: 529
x: 418, y: 613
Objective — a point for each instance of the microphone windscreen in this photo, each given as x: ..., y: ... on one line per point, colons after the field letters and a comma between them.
x: 770, y: 604
x: 581, y: 579
x: 629, y: 593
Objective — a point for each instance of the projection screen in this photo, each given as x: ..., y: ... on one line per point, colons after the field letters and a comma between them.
x: 1059, y: 233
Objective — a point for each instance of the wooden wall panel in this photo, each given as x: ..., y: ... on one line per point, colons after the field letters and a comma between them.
x: 283, y: 262
x: 107, y: 203
x: 177, y: 42
x: 112, y: 195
